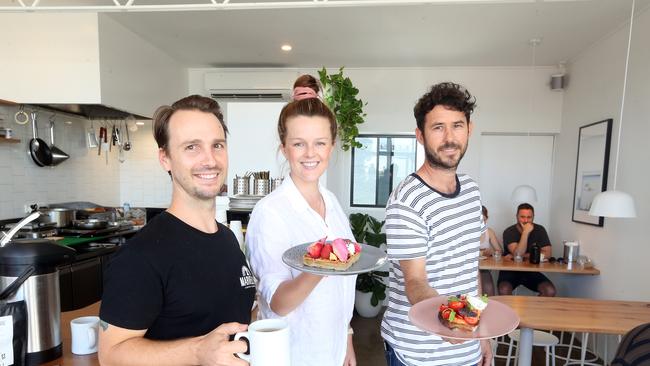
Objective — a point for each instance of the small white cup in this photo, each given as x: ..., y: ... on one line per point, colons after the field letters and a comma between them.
x: 268, y: 341
x: 84, y: 334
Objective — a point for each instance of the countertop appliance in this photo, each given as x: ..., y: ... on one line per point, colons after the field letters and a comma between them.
x: 30, y: 266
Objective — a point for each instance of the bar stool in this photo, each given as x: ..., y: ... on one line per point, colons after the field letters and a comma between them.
x: 543, y: 339
x: 583, y: 350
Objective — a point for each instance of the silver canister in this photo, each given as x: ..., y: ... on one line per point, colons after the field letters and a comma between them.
x: 275, y: 183
x: 240, y: 185
x: 261, y: 187
x: 571, y: 251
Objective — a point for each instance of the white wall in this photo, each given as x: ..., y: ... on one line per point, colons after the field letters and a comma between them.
x: 509, y: 100
x: 620, y: 248
x: 49, y: 58
x: 135, y: 75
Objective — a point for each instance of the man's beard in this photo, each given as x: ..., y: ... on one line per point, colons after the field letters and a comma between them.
x: 435, y: 161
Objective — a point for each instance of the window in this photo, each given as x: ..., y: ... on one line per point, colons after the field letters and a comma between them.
x: 377, y: 167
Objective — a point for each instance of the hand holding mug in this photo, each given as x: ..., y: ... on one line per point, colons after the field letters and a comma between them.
x: 215, y: 348
x: 269, y: 343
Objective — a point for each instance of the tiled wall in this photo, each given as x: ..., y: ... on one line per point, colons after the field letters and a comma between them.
x: 143, y: 182
x: 85, y: 176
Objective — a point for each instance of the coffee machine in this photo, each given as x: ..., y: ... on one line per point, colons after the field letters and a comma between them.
x: 28, y: 270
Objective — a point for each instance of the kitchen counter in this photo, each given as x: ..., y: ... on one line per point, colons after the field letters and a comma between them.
x: 68, y: 357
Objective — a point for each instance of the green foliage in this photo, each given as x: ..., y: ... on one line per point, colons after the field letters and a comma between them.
x: 366, y: 229
x: 341, y: 96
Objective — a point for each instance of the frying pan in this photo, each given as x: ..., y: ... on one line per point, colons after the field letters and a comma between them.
x: 58, y: 156
x: 38, y: 149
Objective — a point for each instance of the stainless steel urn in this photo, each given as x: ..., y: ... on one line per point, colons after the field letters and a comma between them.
x: 40, y: 290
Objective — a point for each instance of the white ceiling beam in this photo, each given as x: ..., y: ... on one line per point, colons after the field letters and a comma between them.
x: 132, y: 6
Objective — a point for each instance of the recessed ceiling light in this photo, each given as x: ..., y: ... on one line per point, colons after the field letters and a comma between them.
x: 286, y: 47
x: 139, y: 123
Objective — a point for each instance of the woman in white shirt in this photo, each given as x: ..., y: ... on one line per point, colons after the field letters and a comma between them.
x: 318, y: 308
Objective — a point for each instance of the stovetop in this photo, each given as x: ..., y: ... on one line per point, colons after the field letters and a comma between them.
x: 34, y: 226
x: 85, y: 233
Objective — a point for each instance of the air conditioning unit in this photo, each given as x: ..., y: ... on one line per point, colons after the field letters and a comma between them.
x: 251, y: 85
x: 251, y: 94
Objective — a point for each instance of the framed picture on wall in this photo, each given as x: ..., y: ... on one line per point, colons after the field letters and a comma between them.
x: 591, y: 169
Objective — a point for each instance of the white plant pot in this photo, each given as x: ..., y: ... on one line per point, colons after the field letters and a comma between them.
x: 364, y: 307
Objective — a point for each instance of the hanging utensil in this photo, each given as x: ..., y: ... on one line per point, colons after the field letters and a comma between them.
x: 127, y: 144
x: 102, y: 134
x: 91, y: 137
x: 58, y: 156
x: 38, y: 149
x: 21, y: 117
x: 120, y: 154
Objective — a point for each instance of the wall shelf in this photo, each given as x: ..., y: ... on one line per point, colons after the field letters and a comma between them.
x: 8, y: 141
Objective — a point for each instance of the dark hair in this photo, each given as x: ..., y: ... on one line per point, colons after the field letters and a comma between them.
x: 484, y: 211
x: 194, y: 102
x: 309, y: 107
x: 452, y: 96
x: 525, y: 206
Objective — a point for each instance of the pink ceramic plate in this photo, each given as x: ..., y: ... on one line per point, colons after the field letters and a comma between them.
x: 496, y: 320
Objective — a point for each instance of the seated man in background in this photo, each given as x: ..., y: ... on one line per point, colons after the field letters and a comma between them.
x: 518, y: 239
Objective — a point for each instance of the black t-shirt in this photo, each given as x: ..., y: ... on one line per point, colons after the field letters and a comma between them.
x: 538, y: 235
x: 177, y: 281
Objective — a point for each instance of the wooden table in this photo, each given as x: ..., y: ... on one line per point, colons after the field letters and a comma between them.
x: 68, y: 357
x: 507, y: 264
x: 574, y: 315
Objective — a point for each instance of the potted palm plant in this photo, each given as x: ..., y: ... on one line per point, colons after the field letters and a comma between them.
x: 371, y: 289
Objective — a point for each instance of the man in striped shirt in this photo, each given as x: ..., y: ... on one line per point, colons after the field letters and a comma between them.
x: 433, y: 228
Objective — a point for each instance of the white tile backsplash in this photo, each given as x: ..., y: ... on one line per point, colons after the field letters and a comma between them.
x: 85, y: 176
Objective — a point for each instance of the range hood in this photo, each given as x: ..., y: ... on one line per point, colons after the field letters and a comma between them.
x: 90, y: 111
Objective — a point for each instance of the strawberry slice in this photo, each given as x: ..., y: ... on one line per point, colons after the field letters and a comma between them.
x: 357, y: 248
x: 315, y: 249
x: 325, y: 252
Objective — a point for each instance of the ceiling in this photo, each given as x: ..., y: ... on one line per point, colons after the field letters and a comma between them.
x: 451, y: 33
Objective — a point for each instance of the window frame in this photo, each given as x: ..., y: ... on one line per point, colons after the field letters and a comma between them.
x: 378, y: 136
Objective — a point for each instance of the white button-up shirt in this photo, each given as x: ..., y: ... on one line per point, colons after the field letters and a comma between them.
x: 284, y: 219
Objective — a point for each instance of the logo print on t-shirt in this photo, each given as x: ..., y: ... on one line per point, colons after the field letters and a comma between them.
x: 246, y: 278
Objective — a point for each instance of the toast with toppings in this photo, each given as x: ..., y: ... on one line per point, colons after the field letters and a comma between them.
x: 338, y: 255
x: 462, y: 312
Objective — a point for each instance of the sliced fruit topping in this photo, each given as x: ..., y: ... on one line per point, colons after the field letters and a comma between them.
x: 315, y: 249
x: 340, y: 249
x: 327, y: 250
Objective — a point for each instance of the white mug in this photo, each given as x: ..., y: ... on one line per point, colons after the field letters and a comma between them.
x: 268, y: 341
x: 84, y: 334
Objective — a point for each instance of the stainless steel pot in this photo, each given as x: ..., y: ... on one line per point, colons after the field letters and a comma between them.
x: 62, y: 217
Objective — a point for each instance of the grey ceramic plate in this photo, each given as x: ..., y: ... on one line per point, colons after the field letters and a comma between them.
x: 371, y: 259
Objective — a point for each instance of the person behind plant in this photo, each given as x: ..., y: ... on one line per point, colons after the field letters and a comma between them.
x: 318, y: 308
x: 176, y: 292
x: 519, y: 239
x: 433, y: 229
x: 489, y: 245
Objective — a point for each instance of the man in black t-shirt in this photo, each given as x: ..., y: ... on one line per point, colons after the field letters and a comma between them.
x: 177, y: 292
x: 518, y: 239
